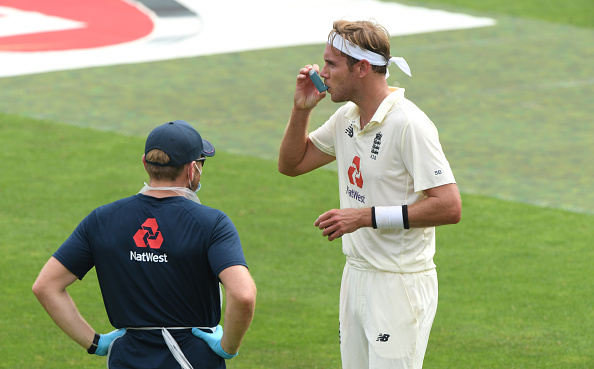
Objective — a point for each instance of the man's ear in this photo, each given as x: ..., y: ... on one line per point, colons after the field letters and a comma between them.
x: 192, y: 171
x: 364, y: 68
x: 144, y: 161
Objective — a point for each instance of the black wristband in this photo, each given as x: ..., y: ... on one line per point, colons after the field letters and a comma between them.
x: 405, y: 216
x: 94, y: 345
x: 373, y: 222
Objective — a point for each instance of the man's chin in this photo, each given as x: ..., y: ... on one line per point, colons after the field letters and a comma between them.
x: 336, y: 98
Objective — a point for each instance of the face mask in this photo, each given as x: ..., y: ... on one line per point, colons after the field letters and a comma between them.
x: 182, y: 191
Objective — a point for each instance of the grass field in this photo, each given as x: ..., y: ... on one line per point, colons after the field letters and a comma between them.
x: 512, y: 102
x: 515, y: 283
x: 575, y: 12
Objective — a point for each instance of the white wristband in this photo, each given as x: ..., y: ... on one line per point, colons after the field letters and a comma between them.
x: 390, y: 217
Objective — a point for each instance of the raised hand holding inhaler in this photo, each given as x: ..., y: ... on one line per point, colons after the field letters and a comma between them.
x: 317, y: 81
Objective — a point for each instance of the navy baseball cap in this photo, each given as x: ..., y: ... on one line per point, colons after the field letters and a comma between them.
x: 180, y: 141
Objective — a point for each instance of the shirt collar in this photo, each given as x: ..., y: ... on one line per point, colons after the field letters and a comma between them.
x: 379, y: 115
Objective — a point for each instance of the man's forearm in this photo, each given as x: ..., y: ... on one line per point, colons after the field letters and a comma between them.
x: 50, y: 290
x: 294, y: 143
x: 238, y: 317
x: 442, y: 206
x: 64, y: 313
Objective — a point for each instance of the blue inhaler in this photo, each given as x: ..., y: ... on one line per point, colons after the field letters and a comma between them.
x: 317, y: 81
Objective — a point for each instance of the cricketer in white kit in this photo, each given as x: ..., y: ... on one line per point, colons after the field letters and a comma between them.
x: 395, y: 186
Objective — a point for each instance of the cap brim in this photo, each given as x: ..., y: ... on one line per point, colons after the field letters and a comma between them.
x: 207, y: 148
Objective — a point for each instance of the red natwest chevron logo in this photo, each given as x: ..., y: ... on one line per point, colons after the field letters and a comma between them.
x: 354, y: 172
x: 149, y: 235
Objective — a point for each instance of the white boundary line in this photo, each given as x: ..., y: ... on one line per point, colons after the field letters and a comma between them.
x: 249, y: 26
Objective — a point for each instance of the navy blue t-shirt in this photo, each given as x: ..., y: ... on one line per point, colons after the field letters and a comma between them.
x: 157, y: 261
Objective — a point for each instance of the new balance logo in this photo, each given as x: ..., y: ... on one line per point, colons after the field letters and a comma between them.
x: 350, y: 131
x: 383, y: 337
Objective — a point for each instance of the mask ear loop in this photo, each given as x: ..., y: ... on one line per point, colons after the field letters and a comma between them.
x: 190, y: 181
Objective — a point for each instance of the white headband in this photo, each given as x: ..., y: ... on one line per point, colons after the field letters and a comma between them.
x: 358, y: 53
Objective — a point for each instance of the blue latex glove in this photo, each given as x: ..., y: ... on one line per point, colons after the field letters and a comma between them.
x: 214, y: 341
x: 105, y: 341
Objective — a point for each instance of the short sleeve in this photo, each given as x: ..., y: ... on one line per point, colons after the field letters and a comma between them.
x: 323, y: 137
x: 75, y: 253
x: 225, y: 247
x: 423, y: 155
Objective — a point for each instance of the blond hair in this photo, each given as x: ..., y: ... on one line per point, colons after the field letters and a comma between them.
x: 368, y: 35
x: 167, y: 173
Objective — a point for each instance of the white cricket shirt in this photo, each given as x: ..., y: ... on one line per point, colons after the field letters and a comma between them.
x: 390, y: 162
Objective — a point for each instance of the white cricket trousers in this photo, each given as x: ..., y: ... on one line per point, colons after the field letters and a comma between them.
x: 385, y: 318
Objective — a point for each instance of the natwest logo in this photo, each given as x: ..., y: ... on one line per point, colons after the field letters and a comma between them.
x: 148, y: 235
x: 355, y: 172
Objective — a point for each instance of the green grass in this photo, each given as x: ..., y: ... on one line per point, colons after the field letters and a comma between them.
x: 511, y: 102
x: 514, y: 286
x: 576, y: 12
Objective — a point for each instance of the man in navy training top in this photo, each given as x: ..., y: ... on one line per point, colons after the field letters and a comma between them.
x: 159, y: 257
